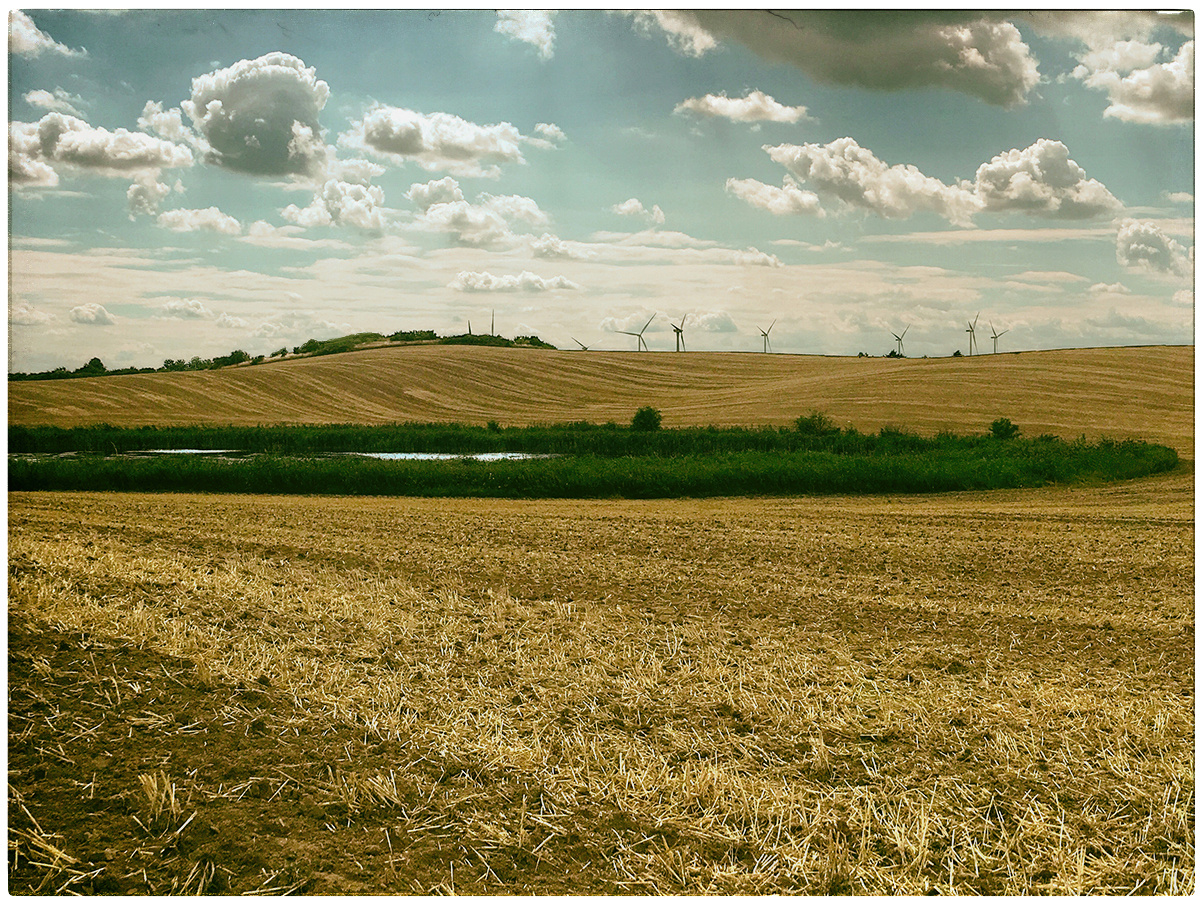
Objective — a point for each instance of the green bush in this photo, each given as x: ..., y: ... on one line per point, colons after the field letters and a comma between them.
x: 1004, y: 430
x: 647, y: 418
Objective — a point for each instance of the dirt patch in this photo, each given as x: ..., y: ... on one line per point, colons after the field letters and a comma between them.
x: 130, y: 772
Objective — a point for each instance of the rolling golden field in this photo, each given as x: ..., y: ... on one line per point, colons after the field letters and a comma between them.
x: 975, y: 693
x: 1136, y: 392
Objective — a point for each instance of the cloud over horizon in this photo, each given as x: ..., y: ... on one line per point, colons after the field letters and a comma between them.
x: 528, y: 282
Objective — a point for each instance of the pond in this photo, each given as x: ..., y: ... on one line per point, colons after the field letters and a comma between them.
x: 245, y: 454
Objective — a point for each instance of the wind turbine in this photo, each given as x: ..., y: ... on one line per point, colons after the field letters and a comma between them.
x: 493, y: 323
x: 582, y: 346
x: 638, y: 334
x: 767, y: 336
x: 900, y: 340
x: 679, y: 341
x: 972, y: 345
x: 995, y: 336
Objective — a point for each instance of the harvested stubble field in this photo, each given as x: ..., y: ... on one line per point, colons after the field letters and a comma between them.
x: 1118, y: 392
x: 984, y: 693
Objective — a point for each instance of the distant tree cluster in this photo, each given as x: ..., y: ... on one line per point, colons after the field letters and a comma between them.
x: 311, y: 347
x: 95, y: 367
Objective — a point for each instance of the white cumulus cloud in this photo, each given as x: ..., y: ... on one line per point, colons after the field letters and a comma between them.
x: 1039, y: 180
x: 341, y: 203
x: 550, y: 246
x: 1140, y: 88
x: 550, y: 131
x: 178, y: 308
x: 166, y: 123
x: 633, y: 207
x: 1143, y: 245
x: 435, y: 141
x: 297, y: 324
x: 260, y: 116
x: 24, y: 314
x: 1042, y: 180
x: 843, y: 172
x: 59, y: 101
x: 225, y: 320
x: 754, y: 107
x: 717, y: 322
x: 26, y: 39
x: 752, y: 256
x: 210, y: 219
x: 92, y: 314
x: 787, y: 200
x: 425, y: 195
x: 533, y: 26
x: 1114, y: 288
x: 487, y: 223
x: 527, y: 282
x: 56, y: 140
x: 145, y: 195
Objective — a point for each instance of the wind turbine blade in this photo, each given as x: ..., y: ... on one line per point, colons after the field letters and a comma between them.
x: 904, y: 332
x: 647, y: 325
x: 772, y: 325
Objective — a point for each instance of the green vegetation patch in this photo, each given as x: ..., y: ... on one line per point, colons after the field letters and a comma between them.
x: 637, y: 461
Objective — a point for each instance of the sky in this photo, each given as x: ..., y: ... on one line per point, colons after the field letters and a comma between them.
x: 190, y: 182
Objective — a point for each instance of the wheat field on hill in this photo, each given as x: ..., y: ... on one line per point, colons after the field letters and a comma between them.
x: 1127, y: 392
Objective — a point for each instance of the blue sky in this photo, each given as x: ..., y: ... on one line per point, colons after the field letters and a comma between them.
x: 193, y: 182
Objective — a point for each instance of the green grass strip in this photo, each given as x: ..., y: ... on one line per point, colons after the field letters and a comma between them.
x: 986, y: 465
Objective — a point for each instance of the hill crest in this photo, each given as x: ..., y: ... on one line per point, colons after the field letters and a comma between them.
x: 1134, y: 392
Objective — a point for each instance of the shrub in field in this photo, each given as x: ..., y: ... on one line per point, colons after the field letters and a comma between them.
x: 647, y: 418
x: 1004, y: 430
x: 816, y: 424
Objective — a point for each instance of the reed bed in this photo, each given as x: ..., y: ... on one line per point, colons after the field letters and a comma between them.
x: 889, y: 463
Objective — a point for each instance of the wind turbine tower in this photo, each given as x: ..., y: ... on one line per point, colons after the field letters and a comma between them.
x: 995, y: 336
x: 680, y: 343
x: 641, y: 345
x: 767, y: 336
